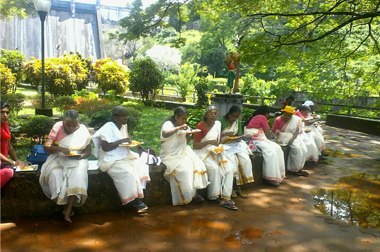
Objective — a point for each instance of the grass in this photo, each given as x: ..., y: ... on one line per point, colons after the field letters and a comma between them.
x: 149, y: 128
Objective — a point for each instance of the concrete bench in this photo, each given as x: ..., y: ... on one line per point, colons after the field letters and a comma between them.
x: 22, y: 197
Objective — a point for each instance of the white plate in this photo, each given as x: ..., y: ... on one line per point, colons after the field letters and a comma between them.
x: 27, y: 168
x: 130, y: 145
x: 192, y: 131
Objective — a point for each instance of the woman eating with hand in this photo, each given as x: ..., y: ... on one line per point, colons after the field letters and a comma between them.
x: 238, y: 151
x: 64, y: 176
x: 220, y: 170
x: 185, y: 171
x: 9, y: 160
x: 128, y: 173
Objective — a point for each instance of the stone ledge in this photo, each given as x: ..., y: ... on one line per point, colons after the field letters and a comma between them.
x: 22, y: 197
x: 369, y: 126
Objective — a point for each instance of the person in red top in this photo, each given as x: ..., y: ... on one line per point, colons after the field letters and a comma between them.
x: 7, y: 164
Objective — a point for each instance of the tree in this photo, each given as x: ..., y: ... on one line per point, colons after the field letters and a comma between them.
x: 14, y: 61
x: 143, y: 23
x: 145, y: 78
x: 13, y: 8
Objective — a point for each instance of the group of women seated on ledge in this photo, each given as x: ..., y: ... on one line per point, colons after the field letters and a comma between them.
x: 220, y: 159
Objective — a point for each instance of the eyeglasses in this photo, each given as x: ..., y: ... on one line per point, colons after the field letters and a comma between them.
x: 5, y: 112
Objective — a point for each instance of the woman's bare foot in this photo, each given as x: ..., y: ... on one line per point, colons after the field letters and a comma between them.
x: 67, y: 215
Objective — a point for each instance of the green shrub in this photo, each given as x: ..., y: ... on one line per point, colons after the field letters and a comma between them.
x: 64, y: 103
x: 14, y: 100
x: 134, y: 116
x: 145, y: 78
x: 14, y: 61
x: 201, y: 87
x: 37, y: 127
x: 195, y: 116
x: 246, y: 113
x: 98, y: 119
x: 90, y: 106
x: 110, y: 76
x: 7, y: 79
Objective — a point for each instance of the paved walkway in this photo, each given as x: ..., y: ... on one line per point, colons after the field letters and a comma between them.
x: 270, y: 219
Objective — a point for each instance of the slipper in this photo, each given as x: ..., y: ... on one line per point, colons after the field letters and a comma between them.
x: 243, y: 195
x: 198, y: 198
x: 302, y: 173
x: 233, y: 194
x: 228, y: 206
x: 141, y: 208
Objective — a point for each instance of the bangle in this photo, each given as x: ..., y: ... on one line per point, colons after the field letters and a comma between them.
x: 14, y: 163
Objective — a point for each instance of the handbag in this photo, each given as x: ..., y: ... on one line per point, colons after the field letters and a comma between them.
x: 148, y: 156
x: 37, y: 155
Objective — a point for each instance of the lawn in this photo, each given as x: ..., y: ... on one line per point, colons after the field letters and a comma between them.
x: 149, y: 128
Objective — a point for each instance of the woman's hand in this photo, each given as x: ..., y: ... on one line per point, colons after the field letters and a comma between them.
x: 65, y: 151
x: 125, y: 140
x: 213, y: 142
x: 21, y: 164
x: 182, y: 127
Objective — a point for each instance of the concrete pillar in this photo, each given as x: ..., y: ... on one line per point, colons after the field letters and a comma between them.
x: 223, y: 102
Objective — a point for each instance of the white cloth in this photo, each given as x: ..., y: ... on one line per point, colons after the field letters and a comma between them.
x: 219, y: 170
x: 128, y: 173
x: 184, y: 169
x: 63, y: 176
x: 238, y: 154
x: 274, y: 164
x: 298, y: 151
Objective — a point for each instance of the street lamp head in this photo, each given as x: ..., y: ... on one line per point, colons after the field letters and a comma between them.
x: 42, y: 5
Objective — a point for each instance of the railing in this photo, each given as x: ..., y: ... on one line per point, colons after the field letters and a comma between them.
x: 173, y: 94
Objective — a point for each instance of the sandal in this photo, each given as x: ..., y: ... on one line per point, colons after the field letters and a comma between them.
x: 243, y: 194
x: 233, y: 194
x: 228, y: 206
x: 139, y: 205
x: 302, y: 173
x: 198, y: 198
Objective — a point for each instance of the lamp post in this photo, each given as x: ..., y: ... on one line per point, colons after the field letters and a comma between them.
x: 42, y: 7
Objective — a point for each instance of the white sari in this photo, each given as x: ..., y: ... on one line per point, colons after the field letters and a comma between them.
x: 185, y: 171
x: 63, y: 176
x: 274, y: 164
x: 219, y: 170
x: 238, y: 154
x: 298, y: 151
x: 128, y: 173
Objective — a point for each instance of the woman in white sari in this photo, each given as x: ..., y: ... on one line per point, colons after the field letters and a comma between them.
x: 287, y: 128
x: 128, y: 173
x: 238, y: 151
x: 311, y: 129
x: 220, y: 171
x: 64, y: 176
x: 185, y: 171
x: 274, y: 164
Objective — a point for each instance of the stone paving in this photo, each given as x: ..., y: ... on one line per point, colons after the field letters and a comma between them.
x: 270, y: 219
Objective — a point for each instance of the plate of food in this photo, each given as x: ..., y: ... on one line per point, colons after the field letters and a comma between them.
x: 131, y: 144
x: 28, y: 168
x: 74, y: 154
x: 188, y: 131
